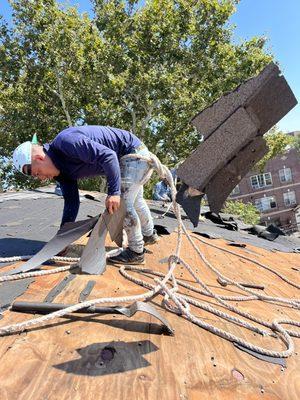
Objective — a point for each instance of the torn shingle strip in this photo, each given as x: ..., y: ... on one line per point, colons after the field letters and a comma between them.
x: 257, y: 92
x: 272, y: 360
x: 237, y: 244
x: 162, y: 230
x: 70, y: 232
x: 207, y: 235
x: 86, y: 291
x: 54, y: 292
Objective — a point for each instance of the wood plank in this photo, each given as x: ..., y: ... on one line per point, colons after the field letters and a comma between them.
x: 68, y: 358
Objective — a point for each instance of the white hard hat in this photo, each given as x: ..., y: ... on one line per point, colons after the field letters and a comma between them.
x: 22, y: 155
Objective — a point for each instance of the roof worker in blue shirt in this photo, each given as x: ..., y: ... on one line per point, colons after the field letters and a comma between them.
x: 79, y: 152
x: 162, y: 190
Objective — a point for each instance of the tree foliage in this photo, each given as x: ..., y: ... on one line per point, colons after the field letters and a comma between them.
x: 147, y: 68
x: 278, y: 143
x: 170, y: 59
x: 296, y: 143
x: 10, y: 179
x: 247, y: 212
x: 45, y: 69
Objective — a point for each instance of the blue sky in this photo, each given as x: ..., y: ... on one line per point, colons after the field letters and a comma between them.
x: 279, y: 21
x: 276, y: 19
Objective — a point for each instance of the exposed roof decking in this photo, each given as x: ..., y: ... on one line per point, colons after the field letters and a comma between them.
x: 46, y: 363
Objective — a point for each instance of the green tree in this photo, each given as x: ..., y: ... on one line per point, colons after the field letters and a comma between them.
x: 9, y: 178
x: 147, y: 68
x: 168, y: 60
x: 248, y: 213
x: 278, y: 143
x: 296, y: 143
x: 46, y: 67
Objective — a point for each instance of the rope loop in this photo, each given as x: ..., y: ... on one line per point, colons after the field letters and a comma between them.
x: 168, y: 285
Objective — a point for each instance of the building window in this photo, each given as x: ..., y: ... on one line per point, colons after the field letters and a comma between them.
x: 285, y: 175
x: 265, y: 203
x: 289, y: 198
x: 261, y: 180
x: 236, y: 190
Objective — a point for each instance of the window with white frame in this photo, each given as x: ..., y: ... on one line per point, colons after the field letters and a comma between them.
x: 261, y: 180
x: 285, y: 175
x: 236, y: 190
x: 266, y: 203
x: 289, y: 198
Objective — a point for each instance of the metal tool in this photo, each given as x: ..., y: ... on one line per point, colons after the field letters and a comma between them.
x: 129, y: 311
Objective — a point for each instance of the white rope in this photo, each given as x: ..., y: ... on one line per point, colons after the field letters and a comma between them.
x: 30, y: 274
x: 174, y: 301
x: 24, y: 258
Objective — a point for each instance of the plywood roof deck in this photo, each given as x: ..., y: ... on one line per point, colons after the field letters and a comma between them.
x: 62, y: 360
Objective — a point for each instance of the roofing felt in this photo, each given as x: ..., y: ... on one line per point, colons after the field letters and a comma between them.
x: 29, y: 219
x: 214, y: 230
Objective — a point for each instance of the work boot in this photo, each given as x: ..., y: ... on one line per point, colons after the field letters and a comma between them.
x: 128, y: 256
x: 154, y: 238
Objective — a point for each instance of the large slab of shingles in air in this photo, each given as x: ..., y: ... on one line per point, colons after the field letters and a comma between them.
x: 232, y: 128
x: 228, y: 177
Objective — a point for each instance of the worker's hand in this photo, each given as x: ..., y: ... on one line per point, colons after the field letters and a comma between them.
x: 112, y: 203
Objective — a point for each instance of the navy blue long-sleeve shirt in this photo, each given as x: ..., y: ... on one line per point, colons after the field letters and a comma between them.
x: 84, y: 151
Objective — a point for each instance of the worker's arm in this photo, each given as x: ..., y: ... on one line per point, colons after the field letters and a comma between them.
x: 71, y: 196
x: 101, y: 158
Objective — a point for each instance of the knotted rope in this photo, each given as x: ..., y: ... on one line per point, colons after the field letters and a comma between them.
x: 168, y: 285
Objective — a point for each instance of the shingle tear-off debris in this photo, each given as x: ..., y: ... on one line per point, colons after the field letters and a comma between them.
x: 233, y: 127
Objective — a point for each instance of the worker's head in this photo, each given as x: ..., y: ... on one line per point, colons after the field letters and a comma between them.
x: 30, y: 159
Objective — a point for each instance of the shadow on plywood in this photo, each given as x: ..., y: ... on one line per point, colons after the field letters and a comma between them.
x: 108, y: 358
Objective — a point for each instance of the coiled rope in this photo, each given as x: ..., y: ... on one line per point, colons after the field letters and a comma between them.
x: 168, y: 286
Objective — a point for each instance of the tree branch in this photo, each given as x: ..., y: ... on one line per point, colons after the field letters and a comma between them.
x: 146, y: 120
x: 62, y: 98
x: 133, y: 126
x: 60, y: 95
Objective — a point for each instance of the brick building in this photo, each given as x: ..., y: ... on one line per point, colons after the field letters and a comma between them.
x: 276, y: 191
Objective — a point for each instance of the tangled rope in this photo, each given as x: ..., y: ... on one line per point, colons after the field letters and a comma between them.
x: 168, y: 286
